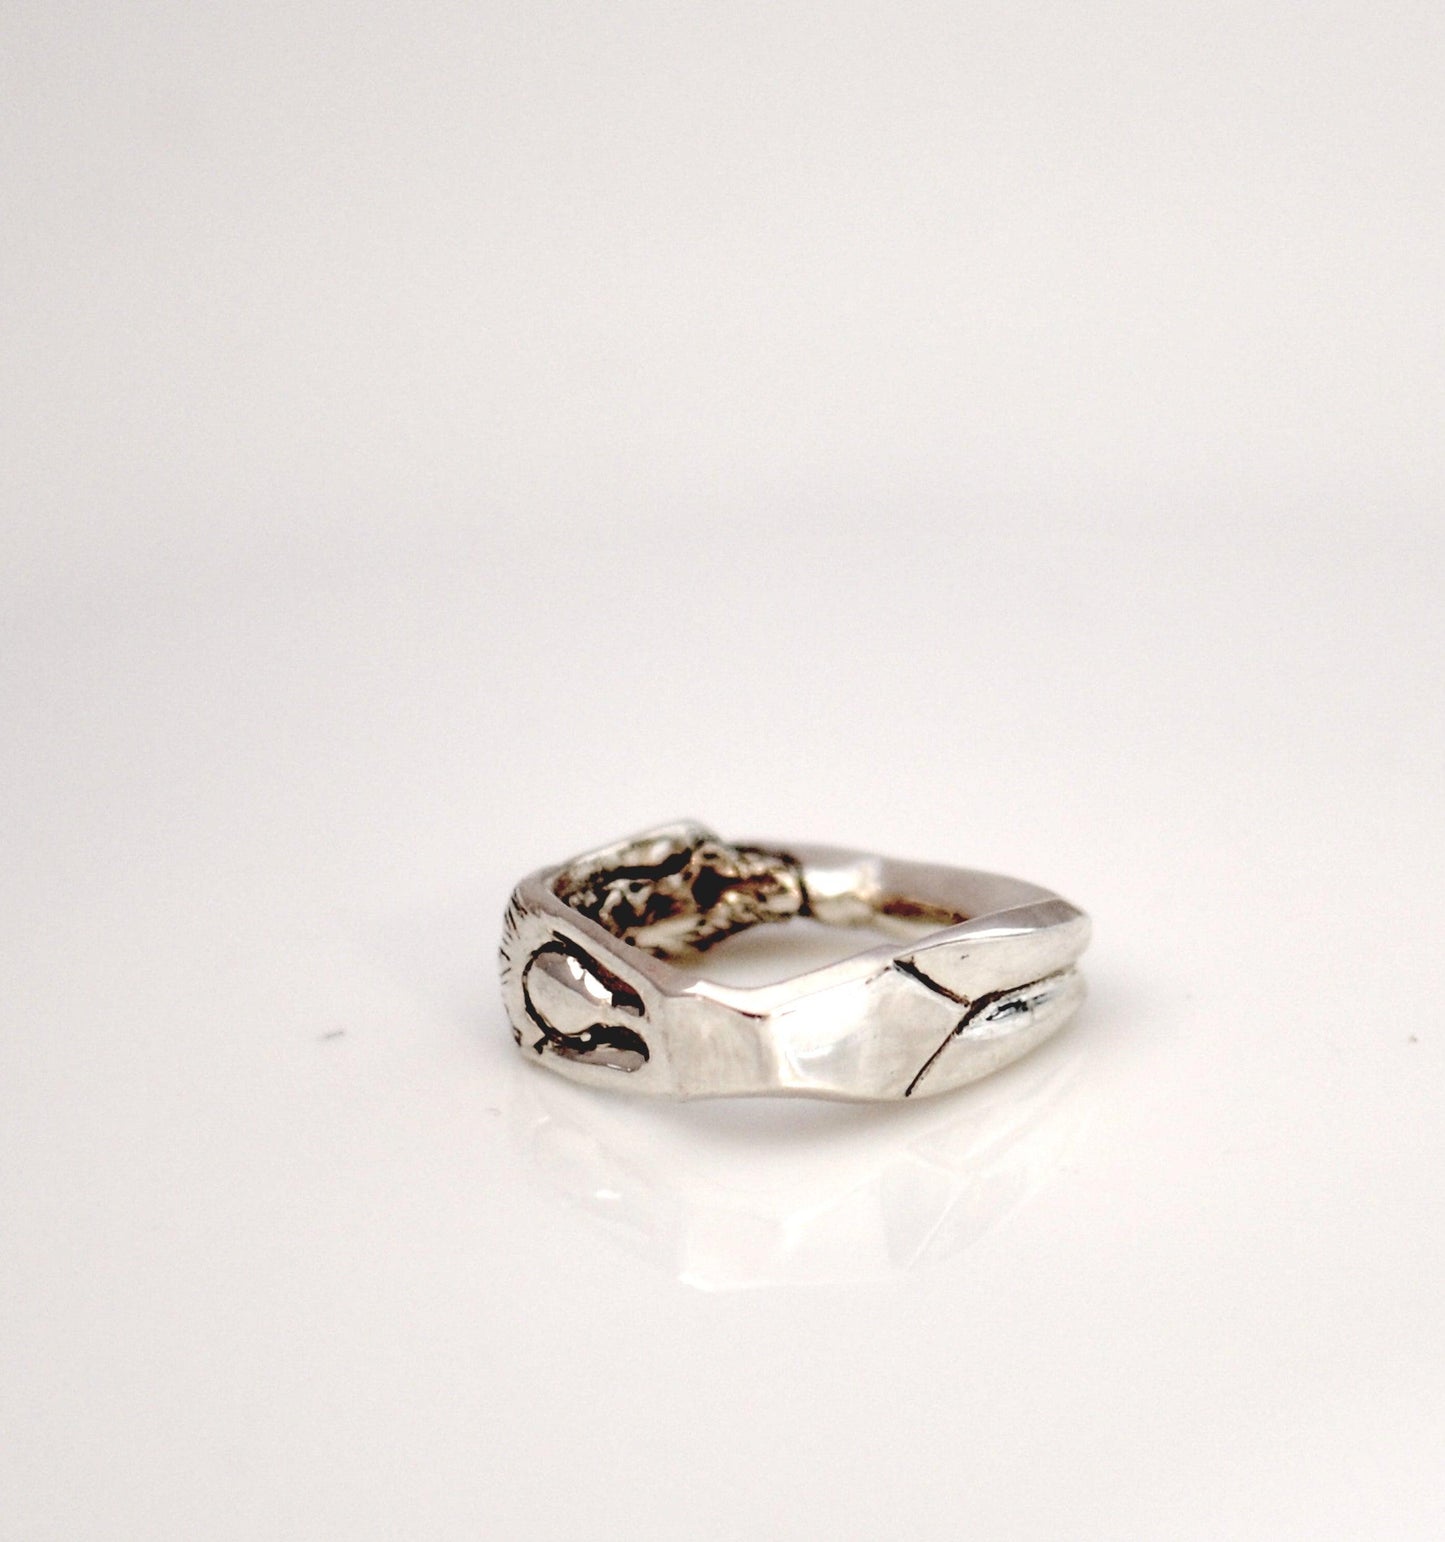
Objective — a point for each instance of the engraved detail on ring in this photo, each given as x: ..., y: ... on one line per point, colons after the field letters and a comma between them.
x: 581, y: 1008
x: 682, y: 888
x: 988, y: 1015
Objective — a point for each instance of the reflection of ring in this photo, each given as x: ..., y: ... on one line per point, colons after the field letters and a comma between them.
x: 735, y: 1200
x: 598, y: 980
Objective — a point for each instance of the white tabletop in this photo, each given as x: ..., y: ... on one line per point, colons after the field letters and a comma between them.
x: 436, y: 440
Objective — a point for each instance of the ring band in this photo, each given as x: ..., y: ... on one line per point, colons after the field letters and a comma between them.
x: 599, y: 980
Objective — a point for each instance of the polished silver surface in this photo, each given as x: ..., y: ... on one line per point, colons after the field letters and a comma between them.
x: 601, y: 970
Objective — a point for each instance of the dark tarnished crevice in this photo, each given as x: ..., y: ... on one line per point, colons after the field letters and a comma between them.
x: 588, y: 998
x: 911, y: 969
x: 988, y: 1008
x: 683, y: 889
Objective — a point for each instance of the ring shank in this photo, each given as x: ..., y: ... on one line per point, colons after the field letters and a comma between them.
x: 851, y: 888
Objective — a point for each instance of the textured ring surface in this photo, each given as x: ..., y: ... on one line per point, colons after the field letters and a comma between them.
x: 600, y: 981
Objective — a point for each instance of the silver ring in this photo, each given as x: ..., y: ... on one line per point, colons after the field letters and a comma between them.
x: 600, y: 982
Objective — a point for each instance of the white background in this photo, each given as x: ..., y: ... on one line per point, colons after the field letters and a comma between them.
x: 438, y: 438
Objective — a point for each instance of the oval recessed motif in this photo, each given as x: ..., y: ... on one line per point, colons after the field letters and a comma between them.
x: 581, y: 1008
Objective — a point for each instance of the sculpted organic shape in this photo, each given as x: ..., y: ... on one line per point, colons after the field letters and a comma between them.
x: 682, y: 888
x: 582, y: 1008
